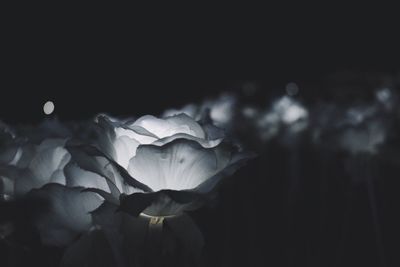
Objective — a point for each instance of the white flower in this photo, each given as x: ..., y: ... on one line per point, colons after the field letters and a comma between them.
x: 65, y: 212
x: 156, y: 166
x: 121, y: 140
x: 45, y: 170
x: 285, y: 115
x: 33, y: 166
x: 167, y: 156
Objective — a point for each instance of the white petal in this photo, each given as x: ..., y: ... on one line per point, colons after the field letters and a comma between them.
x: 131, y: 133
x: 203, y: 142
x: 125, y: 148
x: 86, y: 179
x: 48, y: 161
x: 58, y: 177
x: 171, y: 125
x: 181, y: 164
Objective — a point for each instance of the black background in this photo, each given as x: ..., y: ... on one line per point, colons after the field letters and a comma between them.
x: 252, y: 223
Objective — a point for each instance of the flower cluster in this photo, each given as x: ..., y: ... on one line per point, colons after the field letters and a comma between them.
x: 149, y: 166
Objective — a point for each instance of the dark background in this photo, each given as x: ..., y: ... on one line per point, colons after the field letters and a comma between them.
x: 255, y: 222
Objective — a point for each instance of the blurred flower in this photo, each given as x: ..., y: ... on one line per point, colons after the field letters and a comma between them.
x: 286, y: 115
x: 221, y: 110
x: 359, y: 129
x: 190, y: 110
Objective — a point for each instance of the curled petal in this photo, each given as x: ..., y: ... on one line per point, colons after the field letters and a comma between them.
x: 86, y: 153
x: 169, y: 126
x: 125, y: 149
x: 203, y: 142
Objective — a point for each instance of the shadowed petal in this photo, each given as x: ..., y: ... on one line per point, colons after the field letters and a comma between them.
x: 161, y: 203
x: 47, y: 161
x: 91, y: 250
x: 77, y: 177
x: 66, y: 214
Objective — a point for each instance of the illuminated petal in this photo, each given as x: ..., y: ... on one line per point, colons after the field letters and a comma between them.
x: 203, y: 142
x: 171, y: 125
x: 92, y: 159
x: 58, y: 177
x: 181, y: 164
x: 125, y: 148
x: 137, y: 133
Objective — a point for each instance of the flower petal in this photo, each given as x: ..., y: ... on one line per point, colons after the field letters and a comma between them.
x: 91, y: 250
x: 178, y: 165
x: 117, y: 172
x: 138, y: 133
x: 78, y: 177
x: 67, y: 213
x: 161, y: 203
x: 169, y: 126
x: 47, y: 161
x: 203, y: 142
x: 125, y: 149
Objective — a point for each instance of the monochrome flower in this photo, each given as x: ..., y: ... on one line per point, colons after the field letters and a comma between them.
x: 31, y: 172
x: 32, y: 166
x: 285, y: 116
x: 176, y: 159
x: 360, y: 129
x: 149, y: 166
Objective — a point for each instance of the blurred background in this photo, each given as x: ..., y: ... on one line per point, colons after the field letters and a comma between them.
x: 299, y: 203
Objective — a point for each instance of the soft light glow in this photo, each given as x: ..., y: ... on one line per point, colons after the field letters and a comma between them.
x: 294, y: 113
x: 383, y: 95
x: 48, y: 107
x: 289, y: 110
x: 222, y: 109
